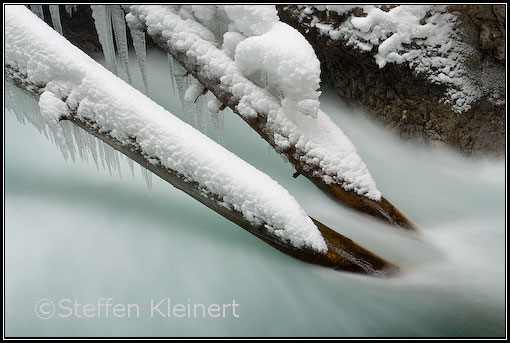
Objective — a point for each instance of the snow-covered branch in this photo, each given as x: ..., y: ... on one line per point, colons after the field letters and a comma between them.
x: 266, y: 72
x: 71, y: 87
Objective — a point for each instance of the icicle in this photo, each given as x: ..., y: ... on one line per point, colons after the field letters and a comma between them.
x: 61, y: 144
x: 70, y: 9
x: 217, y: 118
x: 100, y: 149
x: 116, y: 162
x: 81, y: 144
x: 131, y: 166
x: 147, y: 176
x: 119, y: 28
x: 171, y: 67
x: 190, y: 110
x: 138, y: 35
x: 11, y: 101
x: 192, y: 97
x: 25, y: 108
x: 55, y: 18
x: 181, y: 89
x: 38, y: 10
x: 92, y: 148
x: 65, y: 139
x: 193, y: 92
x: 271, y: 151
x: 218, y: 122
x: 108, y: 157
x: 103, y: 23
x: 200, y: 110
x: 69, y: 138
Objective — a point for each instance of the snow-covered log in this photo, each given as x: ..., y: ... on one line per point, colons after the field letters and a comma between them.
x: 316, y: 147
x: 71, y: 87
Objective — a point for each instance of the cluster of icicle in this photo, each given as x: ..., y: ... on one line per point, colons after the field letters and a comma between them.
x: 70, y: 140
x: 110, y: 22
x: 54, y: 14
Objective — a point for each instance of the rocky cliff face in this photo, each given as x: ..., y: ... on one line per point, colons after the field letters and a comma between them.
x: 407, y: 102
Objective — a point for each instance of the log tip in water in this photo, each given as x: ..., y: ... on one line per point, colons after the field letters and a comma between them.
x: 383, y: 209
x: 394, y: 216
x: 344, y: 254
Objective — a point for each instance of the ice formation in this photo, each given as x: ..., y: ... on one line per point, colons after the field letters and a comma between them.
x: 55, y: 18
x: 38, y: 10
x: 320, y: 145
x: 193, y: 105
x: 420, y: 36
x: 119, y: 29
x: 103, y: 22
x: 200, y: 108
x: 193, y: 92
x: 138, y: 36
x: 70, y: 9
x: 147, y: 176
x: 189, y: 91
x: 171, y: 68
x: 67, y: 77
x: 214, y: 107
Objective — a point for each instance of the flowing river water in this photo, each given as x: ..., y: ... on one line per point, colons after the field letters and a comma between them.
x: 73, y: 232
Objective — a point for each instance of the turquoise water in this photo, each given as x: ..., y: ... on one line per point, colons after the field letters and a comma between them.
x: 73, y: 232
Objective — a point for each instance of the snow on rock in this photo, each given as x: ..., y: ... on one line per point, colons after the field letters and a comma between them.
x: 420, y: 36
x: 319, y: 143
x: 42, y: 56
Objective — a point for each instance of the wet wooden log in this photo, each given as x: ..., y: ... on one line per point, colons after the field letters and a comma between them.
x: 343, y: 253
x: 382, y: 210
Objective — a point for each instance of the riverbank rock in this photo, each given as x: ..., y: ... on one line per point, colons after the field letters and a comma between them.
x: 466, y: 112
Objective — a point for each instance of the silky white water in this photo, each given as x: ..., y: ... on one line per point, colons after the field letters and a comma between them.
x: 73, y: 232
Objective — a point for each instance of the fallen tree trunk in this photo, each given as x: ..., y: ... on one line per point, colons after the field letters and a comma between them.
x: 382, y: 209
x: 342, y: 254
